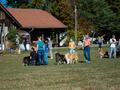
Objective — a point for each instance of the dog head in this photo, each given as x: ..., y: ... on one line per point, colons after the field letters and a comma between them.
x: 26, y: 60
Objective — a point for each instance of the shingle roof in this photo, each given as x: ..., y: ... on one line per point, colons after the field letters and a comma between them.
x: 35, y: 18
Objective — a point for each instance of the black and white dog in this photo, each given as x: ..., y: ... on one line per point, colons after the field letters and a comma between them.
x: 60, y: 59
x: 26, y: 61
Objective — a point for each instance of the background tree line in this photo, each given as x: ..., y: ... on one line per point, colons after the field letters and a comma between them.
x: 101, y: 16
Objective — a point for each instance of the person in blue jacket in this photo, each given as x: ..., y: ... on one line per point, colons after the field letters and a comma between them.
x: 46, y: 52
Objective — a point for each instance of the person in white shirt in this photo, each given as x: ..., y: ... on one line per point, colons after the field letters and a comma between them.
x: 112, y: 47
x: 50, y: 48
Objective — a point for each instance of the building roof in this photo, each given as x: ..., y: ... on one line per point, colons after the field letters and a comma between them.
x: 35, y: 18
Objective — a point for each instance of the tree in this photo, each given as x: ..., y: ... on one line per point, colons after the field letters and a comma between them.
x: 115, y: 7
x: 18, y: 3
x: 11, y: 36
x: 63, y: 11
x: 97, y: 13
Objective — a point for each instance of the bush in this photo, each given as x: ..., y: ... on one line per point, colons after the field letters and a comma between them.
x: 11, y: 36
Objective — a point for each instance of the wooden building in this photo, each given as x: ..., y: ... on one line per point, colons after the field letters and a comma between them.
x: 36, y: 22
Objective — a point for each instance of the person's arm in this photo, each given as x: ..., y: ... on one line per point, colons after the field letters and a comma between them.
x: 115, y: 42
x: 74, y: 45
x: 111, y: 41
x: 69, y: 45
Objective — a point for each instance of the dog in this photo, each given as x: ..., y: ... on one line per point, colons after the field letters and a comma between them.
x: 60, y: 59
x: 71, y: 58
x: 103, y: 54
x: 26, y: 61
x: 32, y: 59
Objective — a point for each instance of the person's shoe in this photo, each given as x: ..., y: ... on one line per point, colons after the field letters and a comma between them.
x: 88, y: 62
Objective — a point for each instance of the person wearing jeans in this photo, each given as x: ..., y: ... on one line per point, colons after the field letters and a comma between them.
x: 46, y: 53
x: 50, y: 48
x: 112, y: 47
x: 87, y: 49
x: 71, y: 46
x: 40, y: 51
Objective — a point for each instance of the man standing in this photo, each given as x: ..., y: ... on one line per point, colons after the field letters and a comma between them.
x: 50, y: 48
x: 87, y: 49
x: 112, y: 47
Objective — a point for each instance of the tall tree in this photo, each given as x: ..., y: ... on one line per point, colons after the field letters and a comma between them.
x: 98, y: 13
x: 63, y: 11
x: 115, y: 7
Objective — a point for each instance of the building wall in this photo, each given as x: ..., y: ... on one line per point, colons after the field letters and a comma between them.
x: 5, y: 26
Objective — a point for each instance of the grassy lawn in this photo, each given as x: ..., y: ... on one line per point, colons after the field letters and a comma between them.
x: 101, y: 74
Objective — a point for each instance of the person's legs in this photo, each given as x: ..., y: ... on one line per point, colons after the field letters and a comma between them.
x: 42, y: 56
x: 85, y: 53
x: 88, y: 53
x: 45, y: 58
x: 25, y: 47
x: 100, y: 45
x: 51, y: 54
x: 111, y: 52
x: 114, y: 53
x: 39, y: 57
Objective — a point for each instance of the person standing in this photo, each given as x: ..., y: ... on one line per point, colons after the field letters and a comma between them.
x: 100, y: 42
x: 112, y: 47
x: 46, y: 53
x: 87, y: 49
x: 50, y: 48
x: 25, y: 43
x: 71, y: 46
x: 40, y: 51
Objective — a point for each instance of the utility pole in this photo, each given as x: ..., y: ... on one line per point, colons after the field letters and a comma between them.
x: 76, y: 24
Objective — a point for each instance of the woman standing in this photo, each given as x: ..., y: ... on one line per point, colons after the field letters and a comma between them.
x: 87, y: 49
x: 40, y: 51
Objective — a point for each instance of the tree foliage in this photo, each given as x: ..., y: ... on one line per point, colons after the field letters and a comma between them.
x: 11, y: 36
x: 97, y: 13
x: 115, y: 7
x: 18, y: 3
x: 100, y: 15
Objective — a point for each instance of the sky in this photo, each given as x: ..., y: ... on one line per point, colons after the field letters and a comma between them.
x: 3, y: 2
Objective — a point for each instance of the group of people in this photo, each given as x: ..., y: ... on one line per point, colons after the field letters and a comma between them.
x: 42, y: 50
x: 43, y: 47
x: 86, y: 45
x: 113, y: 47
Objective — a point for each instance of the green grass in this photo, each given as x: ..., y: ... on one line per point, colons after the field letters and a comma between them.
x: 101, y: 74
